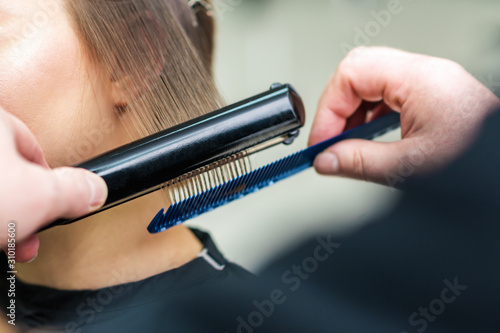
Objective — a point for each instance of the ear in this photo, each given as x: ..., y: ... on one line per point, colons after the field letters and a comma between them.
x: 123, y: 94
x: 126, y: 80
x: 122, y: 91
x: 118, y: 96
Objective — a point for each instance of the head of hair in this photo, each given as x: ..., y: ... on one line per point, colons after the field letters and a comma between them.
x: 159, y: 52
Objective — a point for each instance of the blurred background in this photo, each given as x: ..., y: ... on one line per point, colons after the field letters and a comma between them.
x: 302, y: 42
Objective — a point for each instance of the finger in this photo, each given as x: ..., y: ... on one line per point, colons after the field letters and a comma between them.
x: 378, y: 111
x: 369, y: 74
x: 360, y: 159
x: 357, y: 119
x: 27, y: 250
x: 75, y: 192
x: 327, y: 122
x: 362, y: 115
x: 26, y: 143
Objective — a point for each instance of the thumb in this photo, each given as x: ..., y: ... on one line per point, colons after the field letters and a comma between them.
x: 27, y: 250
x: 360, y: 159
x: 79, y: 192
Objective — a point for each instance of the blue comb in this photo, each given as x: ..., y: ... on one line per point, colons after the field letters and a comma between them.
x: 263, y: 177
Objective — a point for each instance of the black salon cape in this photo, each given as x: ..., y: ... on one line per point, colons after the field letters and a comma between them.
x: 145, y: 306
x: 431, y: 265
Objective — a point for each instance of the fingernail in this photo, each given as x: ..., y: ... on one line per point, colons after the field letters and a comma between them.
x: 327, y: 163
x: 99, y: 191
x: 33, y: 259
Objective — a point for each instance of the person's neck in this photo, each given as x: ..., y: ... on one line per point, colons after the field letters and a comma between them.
x: 109, y: 248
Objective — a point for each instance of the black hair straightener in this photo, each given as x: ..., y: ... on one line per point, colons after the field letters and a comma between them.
x: 204, y: 162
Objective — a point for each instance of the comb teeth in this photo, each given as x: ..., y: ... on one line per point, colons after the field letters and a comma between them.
x: 207, y: 177
x: 228, y: 191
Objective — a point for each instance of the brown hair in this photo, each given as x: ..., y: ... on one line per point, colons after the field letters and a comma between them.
x: 159, y: 50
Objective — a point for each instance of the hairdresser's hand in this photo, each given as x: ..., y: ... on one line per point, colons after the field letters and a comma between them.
x: 441, y: 106
x: 31, y: 194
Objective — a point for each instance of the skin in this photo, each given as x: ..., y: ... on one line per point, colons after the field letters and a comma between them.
x: 61, y: 192
x: 47, y: 81
x: 441, y: 105
x: 5, y: 327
